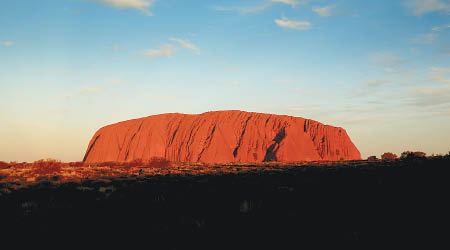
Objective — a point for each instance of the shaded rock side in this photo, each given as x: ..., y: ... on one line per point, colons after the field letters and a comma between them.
x: 221, y: 136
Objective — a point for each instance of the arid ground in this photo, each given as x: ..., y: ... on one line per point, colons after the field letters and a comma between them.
x: 363, y: 202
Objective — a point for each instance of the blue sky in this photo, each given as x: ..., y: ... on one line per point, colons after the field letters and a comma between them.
x: 380, y: 69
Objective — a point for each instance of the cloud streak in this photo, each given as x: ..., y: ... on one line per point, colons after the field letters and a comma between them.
x: 386, y: 59
x: 243, y: 10
x: 141, y: 5
x: 439, y: 75
x: 293, y: 3
x: 425, y: 38
x: 440, y: 28
x: 423, y: 7
x: 187, y: 45
x: 164, y: 50
x: 369, y: 87
x: 326, y: 11
x: 293, y: 24
x: 92, y: 90
x: 8, y: 44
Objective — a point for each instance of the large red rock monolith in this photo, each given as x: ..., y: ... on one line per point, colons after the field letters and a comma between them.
x: 221, y: 136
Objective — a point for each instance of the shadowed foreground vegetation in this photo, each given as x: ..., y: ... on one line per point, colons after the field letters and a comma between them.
x: 241, y: 206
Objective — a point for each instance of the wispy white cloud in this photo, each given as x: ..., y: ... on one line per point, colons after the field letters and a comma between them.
x: 245, y: 9
x: 293, y: 3
x: 262, y: 7
x: 430, y: 96
x: 293, y: 24
x: 439, y: 75
x: 425, y: 38
x: 8, y: 44
x: 375, y: 83
x: 92, y: 90
x: 187, y: 45
x: 324, y: 11
x: 388, y: 70
x: 115, y: 81
x: 440, y: 28
x: 141, y: 5
x: 386, y: 59
x: 164, y: 50
x: 168, y: 49
x: 422, y: 7
x: 369, y: 87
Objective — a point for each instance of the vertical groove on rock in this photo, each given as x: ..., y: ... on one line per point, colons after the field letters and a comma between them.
x: 195, y: 127
x: 271, y: 153
x: 268, y: 118
x: 207, y: 142
x: 188, y: 144
x: 90, y: 148
x: 131, y: 140
x: 174, y: 134
x: 235, y: 151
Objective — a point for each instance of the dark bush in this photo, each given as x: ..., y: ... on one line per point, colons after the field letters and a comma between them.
x: 158, y: 162
x: 134, y: 163
x: 410, y: 154
x: 3, y: 165
x: 388, y: 156
x: 372, y: 158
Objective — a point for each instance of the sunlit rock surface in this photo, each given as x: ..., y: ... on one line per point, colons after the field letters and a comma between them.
x: 221, y: 136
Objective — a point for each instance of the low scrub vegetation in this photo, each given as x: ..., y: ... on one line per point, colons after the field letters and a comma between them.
x: 410, y: 154
x: 47, y: 167
x: 23, y: 173
x: 218, y: 199
x: 154, y: 162
x: 4, y: 165
x: 388, y: 156
x: 372, y: 158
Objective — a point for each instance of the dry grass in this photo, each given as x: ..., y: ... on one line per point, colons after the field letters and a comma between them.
x: 4, y: 165
x: 47, y: 167
x: 24, y: 174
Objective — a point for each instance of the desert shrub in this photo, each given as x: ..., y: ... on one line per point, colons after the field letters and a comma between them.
x: 42, y: 178
x: 372, y: 158
x: 3, y: 165
x: 420, y: 154
x: 15, y: 164
x: 76, y: 164
x: 46, y: 166
x: 109, y: 164
x: 409, y: 154
x: 388, y: 156
x: 158, y: 162
x: 134, y: 163
x: 154, y: 162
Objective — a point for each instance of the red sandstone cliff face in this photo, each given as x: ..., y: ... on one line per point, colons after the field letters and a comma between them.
x: 221, y: 136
